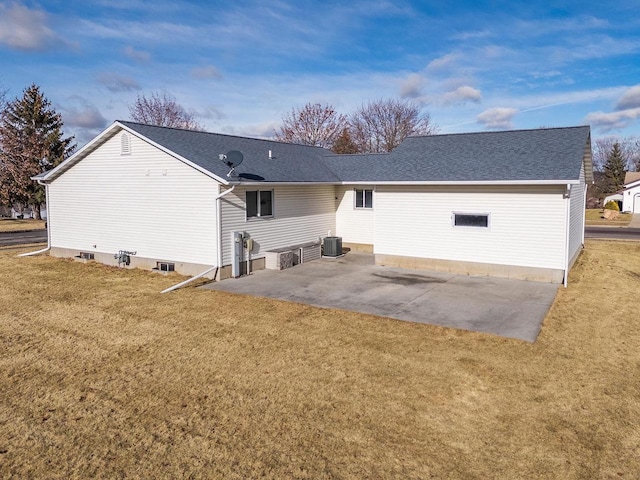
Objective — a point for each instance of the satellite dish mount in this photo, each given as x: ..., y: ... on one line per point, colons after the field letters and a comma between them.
x: 231, y: 159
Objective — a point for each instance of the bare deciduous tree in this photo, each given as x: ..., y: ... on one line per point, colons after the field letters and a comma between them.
x: 163, y: 110
x: 313, y: 124
x: 381, y: 125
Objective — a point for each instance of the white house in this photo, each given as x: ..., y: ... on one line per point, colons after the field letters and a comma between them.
x: 631, y: 193
x: 505, y: 204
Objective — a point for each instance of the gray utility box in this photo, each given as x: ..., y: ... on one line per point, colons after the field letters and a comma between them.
x: 332, y: 246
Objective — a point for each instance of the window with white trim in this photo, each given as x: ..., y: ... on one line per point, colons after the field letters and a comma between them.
x: 259, y: 203
x: 479, y: 220
x: 363, y: 198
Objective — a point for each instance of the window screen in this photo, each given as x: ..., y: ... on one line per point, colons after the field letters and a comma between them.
x: 252, y: 204
x: 470, y: 220
x: 364, y: 198
x: 259, y: 203
x: 266, y: 203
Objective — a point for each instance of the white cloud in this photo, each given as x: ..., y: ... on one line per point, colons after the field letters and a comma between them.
x: 630, y: 99
x: 461, y: 95
x: 210, y: 112
x: 208, y: 71
x: 443, y: 62
x: 25, y: 29
x: 118, y: 83
x: 412, y: 86
x: 261, y: 130
x: 137, y: 55
x: 88, y: 116
x: 606, y: 122
x: 499, y: 117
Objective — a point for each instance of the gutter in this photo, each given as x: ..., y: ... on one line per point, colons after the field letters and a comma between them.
x: 37, y: 252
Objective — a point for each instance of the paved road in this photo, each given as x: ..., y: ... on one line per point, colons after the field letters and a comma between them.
x: 614, y: 233
x: 22, y: 238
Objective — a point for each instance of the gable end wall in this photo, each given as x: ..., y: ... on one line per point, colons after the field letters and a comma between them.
x: 148, y: 202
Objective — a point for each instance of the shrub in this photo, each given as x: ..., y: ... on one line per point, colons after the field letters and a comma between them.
x: 612, y: 205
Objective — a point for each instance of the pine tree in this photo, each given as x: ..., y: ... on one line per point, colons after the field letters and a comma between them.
x: 614, y: 169
x: 31, y: 143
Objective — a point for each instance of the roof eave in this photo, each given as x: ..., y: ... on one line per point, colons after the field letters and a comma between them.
x: 460, y: 182
x: 76, y: 157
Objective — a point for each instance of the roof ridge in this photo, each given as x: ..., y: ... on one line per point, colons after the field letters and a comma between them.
x: 278, y: 142
x: 498, y: 131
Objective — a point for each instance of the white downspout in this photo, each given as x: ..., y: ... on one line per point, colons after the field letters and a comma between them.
x: 219, y: 229
x: 37, y: 252
x: 567, y: 229
x: 219, y: 225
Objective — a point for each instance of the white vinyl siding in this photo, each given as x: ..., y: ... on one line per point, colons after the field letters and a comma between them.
x: 527, y: 224
x: 631, y: 199
x: 301, y: 214
x: 576, y: 217
x: 146, y: 201
x: 354, y: 225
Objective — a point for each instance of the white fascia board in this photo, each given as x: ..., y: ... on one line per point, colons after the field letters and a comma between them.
x: 76, y: 157
x: 473, y: 182
x: 630, y: 185
x: 73, y: 159
x: 280, y: 184
x: 406, y: 183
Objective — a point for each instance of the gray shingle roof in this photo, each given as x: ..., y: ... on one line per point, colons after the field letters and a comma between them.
x: 551, y: 154
x: 290, y: 163
x: 515, y: 155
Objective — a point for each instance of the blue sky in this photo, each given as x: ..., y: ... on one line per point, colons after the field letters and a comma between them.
x: 239, y: 66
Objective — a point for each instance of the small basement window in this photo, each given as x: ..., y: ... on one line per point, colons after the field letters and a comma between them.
x: 364, y: 198
x: 165, y: 267
x: 471, y: 220
x: 259, y: 203
x: 86, y: 256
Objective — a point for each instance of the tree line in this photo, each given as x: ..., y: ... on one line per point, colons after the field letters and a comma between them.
x: 32, y: 140
x: 613, y: 157
x: 377, y: 126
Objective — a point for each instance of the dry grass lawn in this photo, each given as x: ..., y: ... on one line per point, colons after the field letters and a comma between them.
x: 14, y: 225
x: 101, y: 376
x: 594, y: 217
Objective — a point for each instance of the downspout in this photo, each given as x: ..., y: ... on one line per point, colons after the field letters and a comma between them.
x: 567, y: 225
x: 219, y: 228
x: 46, y: 196
x: 584, y: 211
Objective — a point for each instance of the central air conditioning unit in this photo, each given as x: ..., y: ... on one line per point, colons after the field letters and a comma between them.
x: 332, y: 246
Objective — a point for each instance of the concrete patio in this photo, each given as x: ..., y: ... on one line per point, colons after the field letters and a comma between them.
x: 504, y: 307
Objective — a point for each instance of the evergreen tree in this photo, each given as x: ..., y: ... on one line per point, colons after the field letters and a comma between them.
x: 614, y: 169
x: 31, y: 143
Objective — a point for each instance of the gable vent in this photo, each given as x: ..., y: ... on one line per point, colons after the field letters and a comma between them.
x: 125, y: 144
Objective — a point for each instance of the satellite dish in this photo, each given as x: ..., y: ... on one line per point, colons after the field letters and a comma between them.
x: 233, y: 158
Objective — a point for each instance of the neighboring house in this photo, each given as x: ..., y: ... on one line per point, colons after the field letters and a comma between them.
x: 631, y: 193
x: 16, y: 212
x: 507, y: 204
